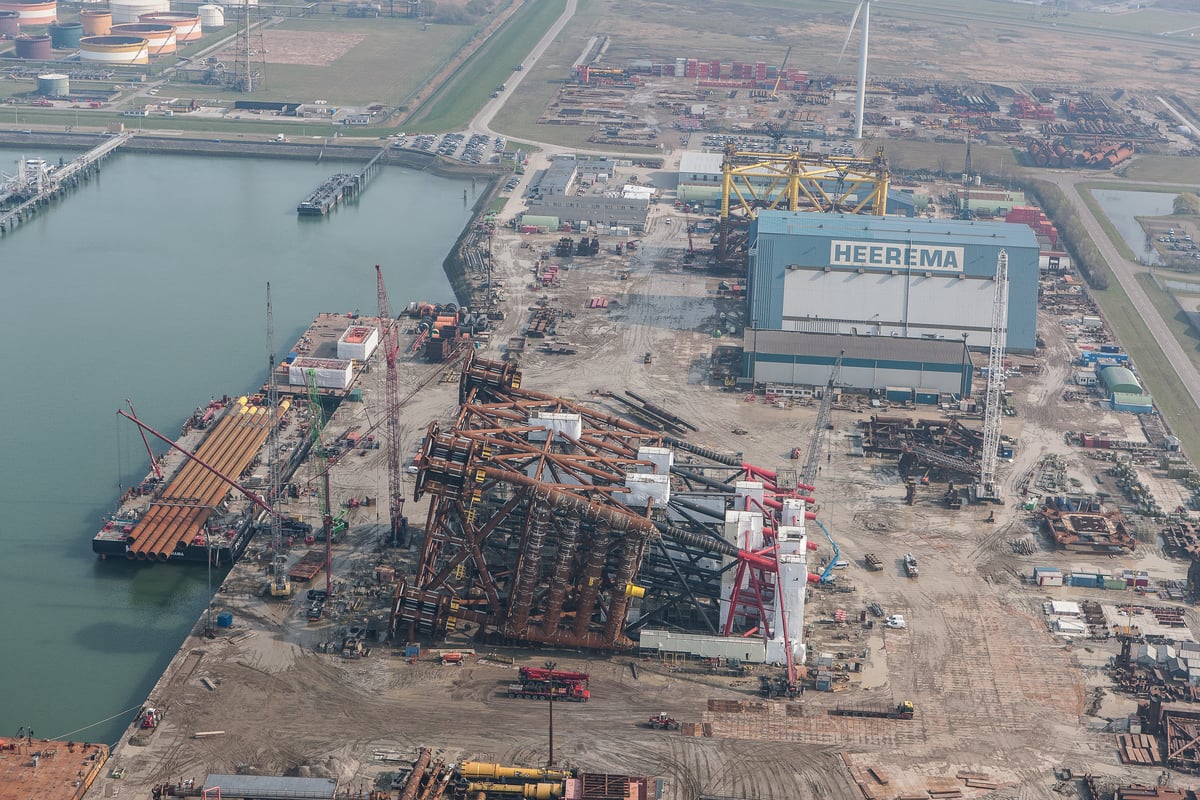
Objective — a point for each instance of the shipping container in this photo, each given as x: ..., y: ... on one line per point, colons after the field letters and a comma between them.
x: 927, y: 397
x: 898, y: 394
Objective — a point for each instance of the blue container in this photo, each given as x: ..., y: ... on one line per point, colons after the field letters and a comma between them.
x: 412, y: 651
x: 225, y: 619
x: 1086, y: 581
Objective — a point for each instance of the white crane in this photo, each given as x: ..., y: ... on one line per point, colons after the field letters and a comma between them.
x: 863, y: 8
x: 987, y: 489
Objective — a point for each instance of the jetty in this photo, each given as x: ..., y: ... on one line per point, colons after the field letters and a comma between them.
x: 342, y: 186
x: 34, y: 189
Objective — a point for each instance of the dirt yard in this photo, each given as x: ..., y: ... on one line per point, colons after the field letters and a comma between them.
x: 996, y: 694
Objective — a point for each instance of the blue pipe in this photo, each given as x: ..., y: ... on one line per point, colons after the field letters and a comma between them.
x: 837, y: 554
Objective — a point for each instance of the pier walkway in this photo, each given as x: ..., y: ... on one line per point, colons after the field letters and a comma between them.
x: 58, y: 182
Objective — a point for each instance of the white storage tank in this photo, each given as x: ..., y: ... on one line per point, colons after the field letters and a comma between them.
x: 159, y: 36
x: 211, y: 16
x: 32, y: 12
x: 187, y: 26
x: 130, y: 10
x: 115, y: 49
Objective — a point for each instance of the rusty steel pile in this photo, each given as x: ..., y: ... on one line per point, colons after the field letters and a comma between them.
x: 556, y: 523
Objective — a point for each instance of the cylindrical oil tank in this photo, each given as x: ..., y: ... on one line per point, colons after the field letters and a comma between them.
x: 212, y: 16
x: 161, y: 37
x: 96, y: 23
x: 10, y: 23
x: 32, y: 12
x: 35, y: 47
x: 115, y: 49
x: 187, y: 26
x: 65, y: 35
x: 130, y: 10
x: 53, y: 84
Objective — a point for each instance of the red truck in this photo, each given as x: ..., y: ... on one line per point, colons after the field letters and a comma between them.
x: 542, y: 690
x: 556, y: 676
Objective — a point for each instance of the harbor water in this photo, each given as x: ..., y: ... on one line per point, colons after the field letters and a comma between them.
x: 149, y: 283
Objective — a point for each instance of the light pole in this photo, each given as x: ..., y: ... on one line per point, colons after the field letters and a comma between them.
x: 550, y: 667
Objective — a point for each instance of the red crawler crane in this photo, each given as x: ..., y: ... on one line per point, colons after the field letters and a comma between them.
x: 388, y: 336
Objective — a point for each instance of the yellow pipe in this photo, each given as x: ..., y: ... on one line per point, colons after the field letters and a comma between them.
x: 480, y: 769
x: 530, y: 791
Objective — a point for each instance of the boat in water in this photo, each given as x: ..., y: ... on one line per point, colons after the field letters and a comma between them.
x: 203, y: 506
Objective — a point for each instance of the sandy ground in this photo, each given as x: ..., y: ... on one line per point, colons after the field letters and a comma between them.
x: 995, y: 692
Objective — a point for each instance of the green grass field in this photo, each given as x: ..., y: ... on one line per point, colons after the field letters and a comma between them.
x: 394, y: 57
x: 452, y: 106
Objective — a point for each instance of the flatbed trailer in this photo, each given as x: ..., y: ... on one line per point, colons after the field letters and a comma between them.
x: 903, y: 710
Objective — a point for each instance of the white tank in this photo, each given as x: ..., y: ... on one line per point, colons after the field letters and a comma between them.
x: 211, y: 16
x: 130, y: 10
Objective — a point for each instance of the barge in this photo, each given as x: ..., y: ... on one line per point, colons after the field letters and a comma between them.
x: 184, y: 511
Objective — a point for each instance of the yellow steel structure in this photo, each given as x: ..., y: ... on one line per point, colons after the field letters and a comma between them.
x: 790, y: 181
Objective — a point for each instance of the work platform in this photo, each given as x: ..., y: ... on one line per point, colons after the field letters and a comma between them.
x: 318, y: 347
x: 48, y: 769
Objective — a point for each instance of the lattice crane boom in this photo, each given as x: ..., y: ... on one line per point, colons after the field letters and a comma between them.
x: 280, y: 584
x: 812, y: 462
x: 391, y: 347
x: 995, y: 384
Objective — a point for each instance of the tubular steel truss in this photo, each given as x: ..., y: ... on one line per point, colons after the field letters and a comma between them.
x: 795, y: 181
x: 534, y: 533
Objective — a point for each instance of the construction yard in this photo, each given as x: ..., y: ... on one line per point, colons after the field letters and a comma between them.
x: 1001, y: 701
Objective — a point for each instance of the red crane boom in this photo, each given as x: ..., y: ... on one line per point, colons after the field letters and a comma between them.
x: 389, y: 337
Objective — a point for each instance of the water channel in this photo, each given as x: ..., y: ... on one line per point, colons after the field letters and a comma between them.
x: 149, y: 283
x: 1123, y: 208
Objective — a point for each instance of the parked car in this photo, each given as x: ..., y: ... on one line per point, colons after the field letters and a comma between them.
x: 895, y: 621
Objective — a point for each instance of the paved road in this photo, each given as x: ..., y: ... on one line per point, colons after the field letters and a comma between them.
x: 482, y: 121
x: 1126, y: 273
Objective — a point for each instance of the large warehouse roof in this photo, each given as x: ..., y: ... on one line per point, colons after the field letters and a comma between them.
x: 877, y: 348
x: 889, y: 229
x: 694, y: 162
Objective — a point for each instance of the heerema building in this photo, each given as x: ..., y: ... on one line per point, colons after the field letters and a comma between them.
x: 890, y: 277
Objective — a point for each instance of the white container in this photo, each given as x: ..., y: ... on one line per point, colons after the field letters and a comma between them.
x: 330, y: 373
x: 358, y: 342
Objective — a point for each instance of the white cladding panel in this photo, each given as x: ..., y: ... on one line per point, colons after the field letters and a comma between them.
x: 647, y: 487
x: 907, y: 303
x: 752, y: 650
x: 663, y: 458
x: 856, y: 377
x: 744, y: 529
x: 747, y: 491
x: 555, y: 422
